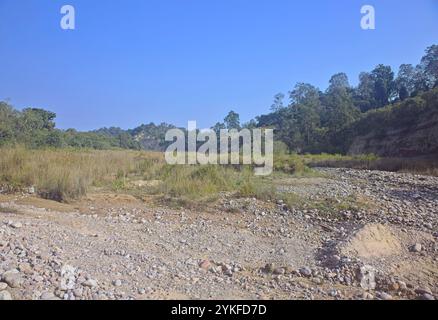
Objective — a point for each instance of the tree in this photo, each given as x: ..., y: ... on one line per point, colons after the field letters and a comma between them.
x: 364, y: 94
x: 405, y: 81
x: 339, y: 80
x: 340, y: 109
x: 232, y: 121
x: 278, y: 102
x: 304, y: 93
x: 8, y: 122
x: 429, y: 64
x: 251, y: 124
x: 38, y: 119
x: 383, y: 78
x: 218, y: 127
x: 305, y: 118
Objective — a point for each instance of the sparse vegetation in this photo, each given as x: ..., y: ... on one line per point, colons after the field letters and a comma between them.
x: 65, y: 174
x: 62, y: 174
x: 415, y: 165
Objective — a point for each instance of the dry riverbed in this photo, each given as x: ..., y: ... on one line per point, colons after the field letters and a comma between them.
x: 352, y: 235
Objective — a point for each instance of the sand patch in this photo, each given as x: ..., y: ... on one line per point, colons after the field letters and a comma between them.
x: 372, y: 241
x: 112, y: 198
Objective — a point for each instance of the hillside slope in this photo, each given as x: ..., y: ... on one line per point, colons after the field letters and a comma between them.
x: 405, y: 129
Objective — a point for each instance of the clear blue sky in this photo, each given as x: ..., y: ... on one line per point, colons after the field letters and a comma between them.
x: 135, y: 61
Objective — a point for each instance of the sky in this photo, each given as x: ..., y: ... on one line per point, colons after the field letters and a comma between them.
x: 138, y: 61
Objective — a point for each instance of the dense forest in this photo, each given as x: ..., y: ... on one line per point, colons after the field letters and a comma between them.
x: 314, y: 121
x: 308, y: 120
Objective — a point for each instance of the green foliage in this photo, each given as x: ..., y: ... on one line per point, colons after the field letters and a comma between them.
x: 316, y: 121
x: 232, y: 121
x: 35, y: 128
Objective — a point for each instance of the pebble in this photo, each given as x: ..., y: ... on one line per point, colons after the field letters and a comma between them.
x: 16, y: 225
x: 48, y: 296
x: 279, y: 271
x: 427, y: 296
x: 366, y: 277
x: 385, y: 296
x: 90, y: 283
x: 5, y: 295
x: 205, y: 264
x: 417, y: 247
x: 78, y: 292
x: 13, y: 278
x: 367, y: 296
x: 423, y: 290
x: 306, y: 271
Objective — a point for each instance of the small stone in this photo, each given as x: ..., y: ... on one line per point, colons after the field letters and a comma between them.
x: 90, y: 283
x: 402, y: 285
x: 205, y: 264
x: 394, y: 286
x: 16, y: 225
x: 25, y: 268
x: 367, y: 277
x: 3, y: 286
x: 48, y: 296
x: 78, y: 292
x: 279, y: 271
x: 424, y: 290
x: 117, y: 283
x: 417, y: 247
x: 367, y: 296
x: 5, y: 295
x: 68, y: 278
x: 13, y: 278
x: 385, y: 296
x: 333, y: 293
x: 427, y: 296
x: 429, y: 225
x: 306, y: 271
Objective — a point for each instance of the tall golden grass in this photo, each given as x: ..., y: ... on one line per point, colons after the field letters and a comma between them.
x: 64, y: 174
x: 67, y: 174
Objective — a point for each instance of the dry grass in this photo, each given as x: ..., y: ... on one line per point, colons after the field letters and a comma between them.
x: 415, y: 165
x: 64, y: 175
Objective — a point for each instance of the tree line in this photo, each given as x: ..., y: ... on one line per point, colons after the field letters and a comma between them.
x: 306, y: 120
x: 314, y: 121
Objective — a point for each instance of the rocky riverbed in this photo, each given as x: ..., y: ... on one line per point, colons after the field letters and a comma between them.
x: 352, y: 235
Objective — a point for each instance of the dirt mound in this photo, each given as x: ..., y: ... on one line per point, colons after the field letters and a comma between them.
x: 372, y: 241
